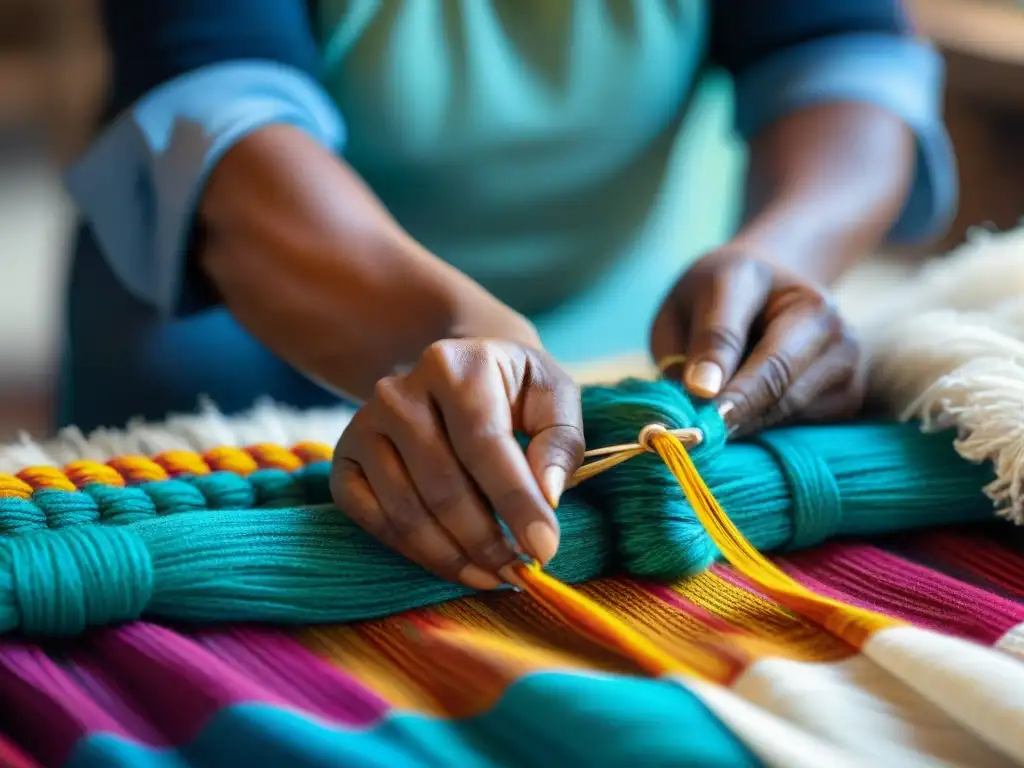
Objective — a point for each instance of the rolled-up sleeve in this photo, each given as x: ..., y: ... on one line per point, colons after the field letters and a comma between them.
x: 808, y: 52
x: 192, y: 78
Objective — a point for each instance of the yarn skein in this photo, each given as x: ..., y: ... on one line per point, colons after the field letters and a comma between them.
x: 270, y: 547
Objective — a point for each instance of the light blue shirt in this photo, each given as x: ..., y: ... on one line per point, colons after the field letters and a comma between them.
x: 529, y: 143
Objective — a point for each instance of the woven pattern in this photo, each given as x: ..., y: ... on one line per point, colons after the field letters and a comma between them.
x: 496, y: 679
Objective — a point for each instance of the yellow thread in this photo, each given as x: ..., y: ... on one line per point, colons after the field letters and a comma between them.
x: 41, y: 478
x: 83, y: 473
x: 852, y: 624
x: 613, y: 455
x: 575, y: 607
x: 227, y: 458
x: 846, y: 622
x: 310, y: 452
x: 138, y: 469
x: 14, y: 487
x: 271, y: 456
x: 182, y: 463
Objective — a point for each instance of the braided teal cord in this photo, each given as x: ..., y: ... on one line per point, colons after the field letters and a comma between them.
x: 269, y: 547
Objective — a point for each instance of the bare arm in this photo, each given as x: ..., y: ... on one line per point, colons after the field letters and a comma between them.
x: 306, y: 258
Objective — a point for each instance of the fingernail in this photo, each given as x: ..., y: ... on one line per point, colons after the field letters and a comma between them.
x: 477, y: 578
x: 508, y: 573
x: 554, y: 484
x: 705, y: 379
x: 542, y: 541
x: 725, y: 408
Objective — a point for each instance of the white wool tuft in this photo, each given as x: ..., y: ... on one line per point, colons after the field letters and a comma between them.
x: 949, y: 350
x: 266, y: 422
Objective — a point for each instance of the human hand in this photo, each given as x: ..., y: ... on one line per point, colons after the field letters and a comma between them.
x: 423, y: 463
x: 765, y: 343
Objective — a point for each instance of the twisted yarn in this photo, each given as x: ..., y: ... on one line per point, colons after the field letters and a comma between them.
x: 236, y: 535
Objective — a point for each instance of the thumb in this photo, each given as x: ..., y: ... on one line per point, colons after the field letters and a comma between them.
x: 552, y: 417
x: 722, y: 315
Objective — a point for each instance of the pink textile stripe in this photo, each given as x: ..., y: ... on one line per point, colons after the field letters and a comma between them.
x: 12, y: 757
x: 153, y: 685
x: 877, y: 579
x: 180, y: 682
x: 979, y: 555
x: 44, y: 704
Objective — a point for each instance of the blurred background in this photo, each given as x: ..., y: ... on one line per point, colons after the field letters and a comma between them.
x: 53, y: 70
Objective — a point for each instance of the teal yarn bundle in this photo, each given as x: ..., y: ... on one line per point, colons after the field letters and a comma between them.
x: 270, y: 547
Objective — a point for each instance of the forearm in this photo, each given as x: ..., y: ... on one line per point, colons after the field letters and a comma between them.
x: 824, y: 186
x: 310, y: 263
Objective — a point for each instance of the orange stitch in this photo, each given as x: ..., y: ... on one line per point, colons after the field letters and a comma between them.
x: 182, y: 463
x: 270, y: 456
x: 46, y: 478
x: 11, y: 486
x: 83, y: 473
x: 138, y: 469
x: 227, y: 458
x: 309, y: 452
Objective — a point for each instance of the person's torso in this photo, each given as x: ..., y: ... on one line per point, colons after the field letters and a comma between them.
x: 523, y: 141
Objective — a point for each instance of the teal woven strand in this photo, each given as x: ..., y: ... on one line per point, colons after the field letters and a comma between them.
x: 269, y: 548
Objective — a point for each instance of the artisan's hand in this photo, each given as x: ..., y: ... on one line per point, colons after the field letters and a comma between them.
x: 424, y: 462
x: 760, y: 338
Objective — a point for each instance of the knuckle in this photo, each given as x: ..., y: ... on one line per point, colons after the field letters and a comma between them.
x: 480, y: 439
x: 490, y: 552
x: 399, y: 522
x: 447, y: 563
x: 441, y: 355
x: 344, y: 472
x: 566, y: 446
x: 451, y: 363
x: 387, y: 392
x: 512, y: 501
x: 443, y: 495
x: 722, y: 338
x: 777, y: 376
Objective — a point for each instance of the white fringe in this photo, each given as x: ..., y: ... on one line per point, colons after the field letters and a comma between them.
x: 950, y: 352
x: 945, y: 344
x: 267, y: 422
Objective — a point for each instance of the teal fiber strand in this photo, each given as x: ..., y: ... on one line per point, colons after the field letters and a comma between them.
x: 270, y: 547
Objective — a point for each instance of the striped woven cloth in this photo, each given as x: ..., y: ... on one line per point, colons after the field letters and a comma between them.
x: 499, y: 680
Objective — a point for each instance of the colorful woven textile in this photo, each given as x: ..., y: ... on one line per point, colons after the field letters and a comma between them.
x: 501, y: 680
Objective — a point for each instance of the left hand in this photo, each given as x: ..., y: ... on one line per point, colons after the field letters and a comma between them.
x: 760, y: 338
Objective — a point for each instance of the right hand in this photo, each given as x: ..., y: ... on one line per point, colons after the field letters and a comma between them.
x: 423, y: 463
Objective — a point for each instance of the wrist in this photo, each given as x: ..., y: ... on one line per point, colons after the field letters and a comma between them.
x: 789, y: 236
x: 310, y: 263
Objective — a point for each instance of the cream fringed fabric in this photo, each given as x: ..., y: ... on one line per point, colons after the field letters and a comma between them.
x: 944, y: 343
x: 947, y: 347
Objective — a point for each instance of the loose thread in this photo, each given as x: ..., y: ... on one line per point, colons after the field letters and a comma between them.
x: 849, y: 623
x: 612, y: 455
x: 589, y: 619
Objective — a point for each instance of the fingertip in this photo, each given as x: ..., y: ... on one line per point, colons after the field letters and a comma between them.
x: 540, y: 540
x: 705, y: 379
x: 553, y: 484
x: 475, y: 577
